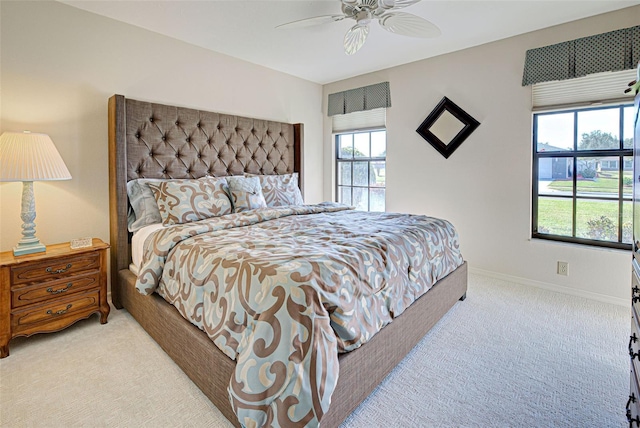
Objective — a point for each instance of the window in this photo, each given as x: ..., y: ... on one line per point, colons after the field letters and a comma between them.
x: 360, y: 169
x: 582, y: 175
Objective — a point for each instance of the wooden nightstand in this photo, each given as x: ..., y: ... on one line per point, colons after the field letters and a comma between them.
x: 47, y: 292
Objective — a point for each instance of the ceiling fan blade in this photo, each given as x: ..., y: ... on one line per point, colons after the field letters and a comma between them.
x: 396, y: 4
x: 408, y: 25
x: 308, y: 22
x: 355, y: 38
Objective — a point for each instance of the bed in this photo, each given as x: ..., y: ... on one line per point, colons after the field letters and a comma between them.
x: 155, y: 141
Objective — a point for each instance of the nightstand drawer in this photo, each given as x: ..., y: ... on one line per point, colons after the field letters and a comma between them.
x: 53, y: 269
x: 21, y: 296
x: 55, y: 315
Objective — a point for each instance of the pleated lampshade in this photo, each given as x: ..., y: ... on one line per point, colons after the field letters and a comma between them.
x: 27, y: 156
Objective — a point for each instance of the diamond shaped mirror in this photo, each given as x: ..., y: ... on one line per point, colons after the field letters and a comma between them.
x: 447, y: 126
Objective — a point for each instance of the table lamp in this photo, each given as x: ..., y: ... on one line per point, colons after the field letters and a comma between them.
x: 29, y: 157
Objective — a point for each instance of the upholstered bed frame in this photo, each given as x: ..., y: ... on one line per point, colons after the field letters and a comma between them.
x: 158, y: 141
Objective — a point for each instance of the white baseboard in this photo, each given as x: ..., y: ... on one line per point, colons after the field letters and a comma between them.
x: 553, y: 287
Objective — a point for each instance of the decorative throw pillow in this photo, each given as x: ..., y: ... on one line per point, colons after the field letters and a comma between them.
x: 280, y: 190
x: 143, y: 209
x: 184, y: 201
x: 246, y: 193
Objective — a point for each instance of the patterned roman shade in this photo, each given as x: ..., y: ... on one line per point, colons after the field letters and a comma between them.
x: 360, y: 99
x: 612, y: 51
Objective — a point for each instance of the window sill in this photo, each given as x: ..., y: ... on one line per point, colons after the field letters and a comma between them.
x: 603, y: 245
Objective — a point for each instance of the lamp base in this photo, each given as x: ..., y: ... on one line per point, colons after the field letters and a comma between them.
x: 28, y: 248
x: 29, y: 244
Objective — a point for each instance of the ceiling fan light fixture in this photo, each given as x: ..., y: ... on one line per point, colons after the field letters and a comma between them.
x: 364, y: 17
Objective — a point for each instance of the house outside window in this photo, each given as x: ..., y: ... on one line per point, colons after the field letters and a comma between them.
x: 582, y: 175
x: 361, y: 169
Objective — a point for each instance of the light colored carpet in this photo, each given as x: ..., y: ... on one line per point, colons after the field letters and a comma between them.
x: 508, y: 356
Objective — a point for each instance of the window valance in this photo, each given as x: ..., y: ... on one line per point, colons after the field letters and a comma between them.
x: 612, y: 51
x: 360, y: 99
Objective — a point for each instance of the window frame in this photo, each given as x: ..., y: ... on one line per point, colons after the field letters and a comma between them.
x: 621, y: 153
x: 369, y: 159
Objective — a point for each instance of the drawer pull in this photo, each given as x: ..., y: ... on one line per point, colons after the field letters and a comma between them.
x: 60, y: 312
x: 630, y: 418
x: 632, y: 339
x: 635, y: 294
x: 61, y: 270
x: 632, y: 421
x: 60, y: 290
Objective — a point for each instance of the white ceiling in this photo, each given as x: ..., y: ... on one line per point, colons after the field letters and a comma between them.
x: 246, y: 29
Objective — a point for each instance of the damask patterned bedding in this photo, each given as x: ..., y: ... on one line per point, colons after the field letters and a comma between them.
x: 284, y: 290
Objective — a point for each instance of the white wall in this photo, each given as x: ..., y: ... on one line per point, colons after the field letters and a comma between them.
x: 59, y: 67
x: 484, y: 188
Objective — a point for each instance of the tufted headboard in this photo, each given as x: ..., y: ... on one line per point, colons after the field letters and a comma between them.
x: 148, y: 140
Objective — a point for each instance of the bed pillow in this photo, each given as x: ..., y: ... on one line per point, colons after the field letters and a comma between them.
x: 246, y: 193
x: 185, y: 201
x: 143, y: 207
x: 280, y: 190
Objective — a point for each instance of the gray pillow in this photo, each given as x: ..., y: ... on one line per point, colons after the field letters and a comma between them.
x: 143, y: 207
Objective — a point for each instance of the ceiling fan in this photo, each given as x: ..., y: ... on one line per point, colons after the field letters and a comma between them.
x: 363, y: 12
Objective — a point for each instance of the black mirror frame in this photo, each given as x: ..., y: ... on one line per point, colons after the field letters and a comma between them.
x: 470, y: 124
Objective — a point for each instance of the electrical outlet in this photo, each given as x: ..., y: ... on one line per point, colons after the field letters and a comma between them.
x: 563, y: 268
